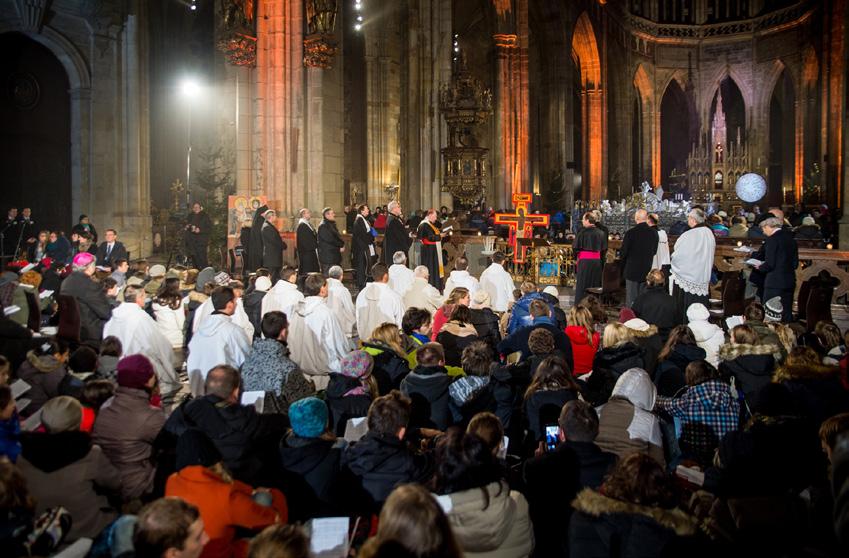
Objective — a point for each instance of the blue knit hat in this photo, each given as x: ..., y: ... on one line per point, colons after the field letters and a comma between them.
x: 308, y: 417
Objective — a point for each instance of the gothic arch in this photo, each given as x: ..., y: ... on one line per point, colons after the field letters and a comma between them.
x: 649, y: 125
x: 588, y: 63
x: 718, y: 77
x: 772, y: 76
x: 585, y: 51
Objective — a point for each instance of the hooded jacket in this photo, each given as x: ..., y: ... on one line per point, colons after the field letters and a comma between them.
x: 217, y: 341
x: 389, y: 368
x: 626, y: 422
x: 709, y: 337
x: 583, y: 352
x: 542, y: 408
x: 65, y: 469
x: 282, y: 297
x: 518, y: 340
x: 422, y: 294
x: 669, y: 374
x: 427, y: 386
x: 43, y: 374
x: 454, y: 337
x: 377, y: 304
x: 751, y: 366
x: 316, y: 340
x: 616, y: 360
x: 253, y: 308
x: 314, y: 467
x: 651, y: 343
x: 462, y: 278
x: 520, y: 314
x: 817, y: 390
x: 491, y: 521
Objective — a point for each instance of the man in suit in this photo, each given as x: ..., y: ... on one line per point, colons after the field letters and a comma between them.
x: 637, y: 253
x: 362, y: 246
x: 198, y: 228
x: 396, y: 238
x: 272, y: 245
x: 781, y: 258
x: 111, y: 250
x: 307, y: 240
x: 331, y: 245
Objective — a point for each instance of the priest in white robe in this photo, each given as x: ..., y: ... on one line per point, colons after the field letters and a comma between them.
x: 316, y: 341
x: 661, y: 258
x: 377, y: 303
x: 340, y: 302
x: 239, y: 317
x: 692, y: 264
x: 140, y: 334
x: 461, y: 277
x: 422, y: 294
x: 400, y: 276
x: 498, y: 283
x: 284, y: 295
x: 217, y: 341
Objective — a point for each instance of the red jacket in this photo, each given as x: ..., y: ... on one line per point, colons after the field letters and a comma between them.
x: 223, y: 507
x: 583, y: 352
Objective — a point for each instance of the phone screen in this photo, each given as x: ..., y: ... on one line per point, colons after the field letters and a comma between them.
x: 551, y: 437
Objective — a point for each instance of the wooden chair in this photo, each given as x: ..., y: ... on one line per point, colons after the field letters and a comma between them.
x: 732, y: 300
x: 69, y: 319
x: 611, y: 283
x: 818, y: 306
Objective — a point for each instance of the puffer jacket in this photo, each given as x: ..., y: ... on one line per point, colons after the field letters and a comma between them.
x: 312, y: 469
x: 389, y: 368
x: 520, y: 313
x: 44, y: 374
x: 816, y: 389
x: 709, y: 337
x: 751, y: 366
x: 427, y: 386
x: 618, y: 359
x: 626, y: 423
x: 583, y: 352
x: 454, y: 337
x: 486, y: 324
x: 491, y: 521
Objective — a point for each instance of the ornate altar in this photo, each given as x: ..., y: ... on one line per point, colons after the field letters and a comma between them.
x: 236, y: 34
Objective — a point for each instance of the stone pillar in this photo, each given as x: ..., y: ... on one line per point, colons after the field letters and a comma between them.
x: 323, y: 130
x: 512, y: 171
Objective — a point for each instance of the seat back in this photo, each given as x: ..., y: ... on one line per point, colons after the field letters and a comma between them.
x: 611, y: 277
x: 34, y: 320
x: 818, y: 306
x: 69, y: 319
x: 802, y: 299
x: 733, y: 293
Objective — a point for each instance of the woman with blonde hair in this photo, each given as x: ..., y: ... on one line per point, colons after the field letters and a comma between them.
x: 458, y: 296
x: 386, y: 347
x: 618, y: 353
x: 412, y: 523
x: 583, y: 338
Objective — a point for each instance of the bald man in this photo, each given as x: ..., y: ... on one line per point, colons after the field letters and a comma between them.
x: 637, y: 253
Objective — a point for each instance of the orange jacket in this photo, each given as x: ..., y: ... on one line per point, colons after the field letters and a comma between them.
x: 223, y: 507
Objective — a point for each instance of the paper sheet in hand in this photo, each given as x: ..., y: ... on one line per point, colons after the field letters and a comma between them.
x: 28, y: 267
x: 691, y: 475
x: 13, y: 309
x: 33, y: 422
x: 733, y: 321
x: 371, y: 250
x: 355, y: 429
x: 45, y: 294
x: 19, y: 387
x: 753, y: 262
x: 329, y: 537
x: 744, y: 249
x: 255, y: 398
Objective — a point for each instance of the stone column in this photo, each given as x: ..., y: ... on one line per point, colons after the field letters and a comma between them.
x: 512, y: 172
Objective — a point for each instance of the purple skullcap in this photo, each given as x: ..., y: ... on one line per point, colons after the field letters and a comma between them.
x: 83, y: 259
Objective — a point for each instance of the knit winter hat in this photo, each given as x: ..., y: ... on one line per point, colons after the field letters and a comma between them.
x: 808, y: 220
x: 134, y: 371
x: 206, y: 275
x: 308, y: 417
x: 541, y: 341
x: 222, y: 279
x: 481, y: 299
x: 356, y: 364
x: 552, y: 290
x: 61, y: 414
x: 195, y: 448
x: 626, y: 314
x: 637, y: 324
x: 697, y: 313
x: 262, y: 284
x: 773, y: 309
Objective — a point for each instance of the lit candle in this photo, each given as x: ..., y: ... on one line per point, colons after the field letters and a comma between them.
x: 479, y: 233
x: 829, y: 246
x: 344, y: 231
x: 739, y: 243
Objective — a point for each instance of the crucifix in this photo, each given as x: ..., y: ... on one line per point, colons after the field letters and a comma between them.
x: 521, y: 223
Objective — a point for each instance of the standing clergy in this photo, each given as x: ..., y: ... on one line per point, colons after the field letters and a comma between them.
x: 331, y: 245
x: 377, y: 303
x: 498, y: 283
x: 400, y: 276
x: 255, y: 239
x: 638, y: 250
x: 307, y: 244
x: 339, y: 301
x: 198, y: 228
x: 692, y: 263
x: 272, y: 245
x: 396, y: 238
x: 781, y: 258
x: 362, y: 246
x: 590, y: 247
x: 431, y: 253
x: 661, y: 257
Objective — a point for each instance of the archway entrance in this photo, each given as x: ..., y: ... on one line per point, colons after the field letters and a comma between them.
x: 35, y: 138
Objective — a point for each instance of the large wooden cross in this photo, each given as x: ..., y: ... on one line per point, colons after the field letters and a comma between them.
x: 521, y: 223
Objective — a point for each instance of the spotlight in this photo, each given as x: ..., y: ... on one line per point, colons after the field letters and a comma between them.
x: 357, y: 27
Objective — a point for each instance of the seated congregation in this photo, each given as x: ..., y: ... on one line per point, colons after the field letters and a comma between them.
x: 195, y: 415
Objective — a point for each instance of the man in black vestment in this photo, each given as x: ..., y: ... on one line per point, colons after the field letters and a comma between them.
x: 255, y: 246
x: 307, y: 244
x: 430, y: 236
x: 590, y: 249
x: 330, y: 242
x: 198, y: 229
x: 395, y: 236
x: 272, y: 245
x: 637, y: 253
x: 362, y: 246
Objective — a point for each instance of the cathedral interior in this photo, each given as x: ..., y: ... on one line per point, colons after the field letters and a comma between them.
x: 126, y: 109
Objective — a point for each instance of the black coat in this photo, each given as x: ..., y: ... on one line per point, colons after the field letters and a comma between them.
x: 389, y: 368
x: 518, y: 341
x: 427, y: 386
x: 638, y: 249
x: 253, y: 308
x: 255, y: 243
x: 95, y: 309
x: 16, y: 341
x: 651, y: 346
x: 203, y: 223
x: 89, y: 229
x: 360, y: 242
x: 118, y: 253
x: 343, y: 408
x: 669, y: 374
x: 618, y: 360
x: 543, y: 409
x: 329, y: 243
x: 307, y: 249
x: 486, y: 324
x: 656, y: 307
x: 272, y: 246
x: 751, y: 366
x: 396, y: 238
x: 509, y: 383
x: 781, y: 258
x: 312, y: 475
x: 556, y: 477
x: 557, y: 312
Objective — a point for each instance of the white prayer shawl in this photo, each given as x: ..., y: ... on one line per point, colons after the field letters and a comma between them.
x: 282, y: 297
x: 661, y: 258
x: 342, y: 305
x: 239, y: 317
x: 376, y: 305
x: 139, y: 334
x: 499, y: 285
x: 316, y: 341
x: 400, y: 278
x: 692, y: 260
x: 423, y: 295
x: 171, y: 322
x: 461, y: 279
x: 217, y: 341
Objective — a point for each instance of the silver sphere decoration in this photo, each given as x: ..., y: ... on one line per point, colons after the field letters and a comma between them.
x: 751, y: 187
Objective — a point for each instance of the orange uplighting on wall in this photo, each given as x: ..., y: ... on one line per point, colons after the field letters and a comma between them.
x: 585, y: 51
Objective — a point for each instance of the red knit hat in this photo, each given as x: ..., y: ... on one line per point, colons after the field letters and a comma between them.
x: 134, y: 371
x: 626, y: 314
